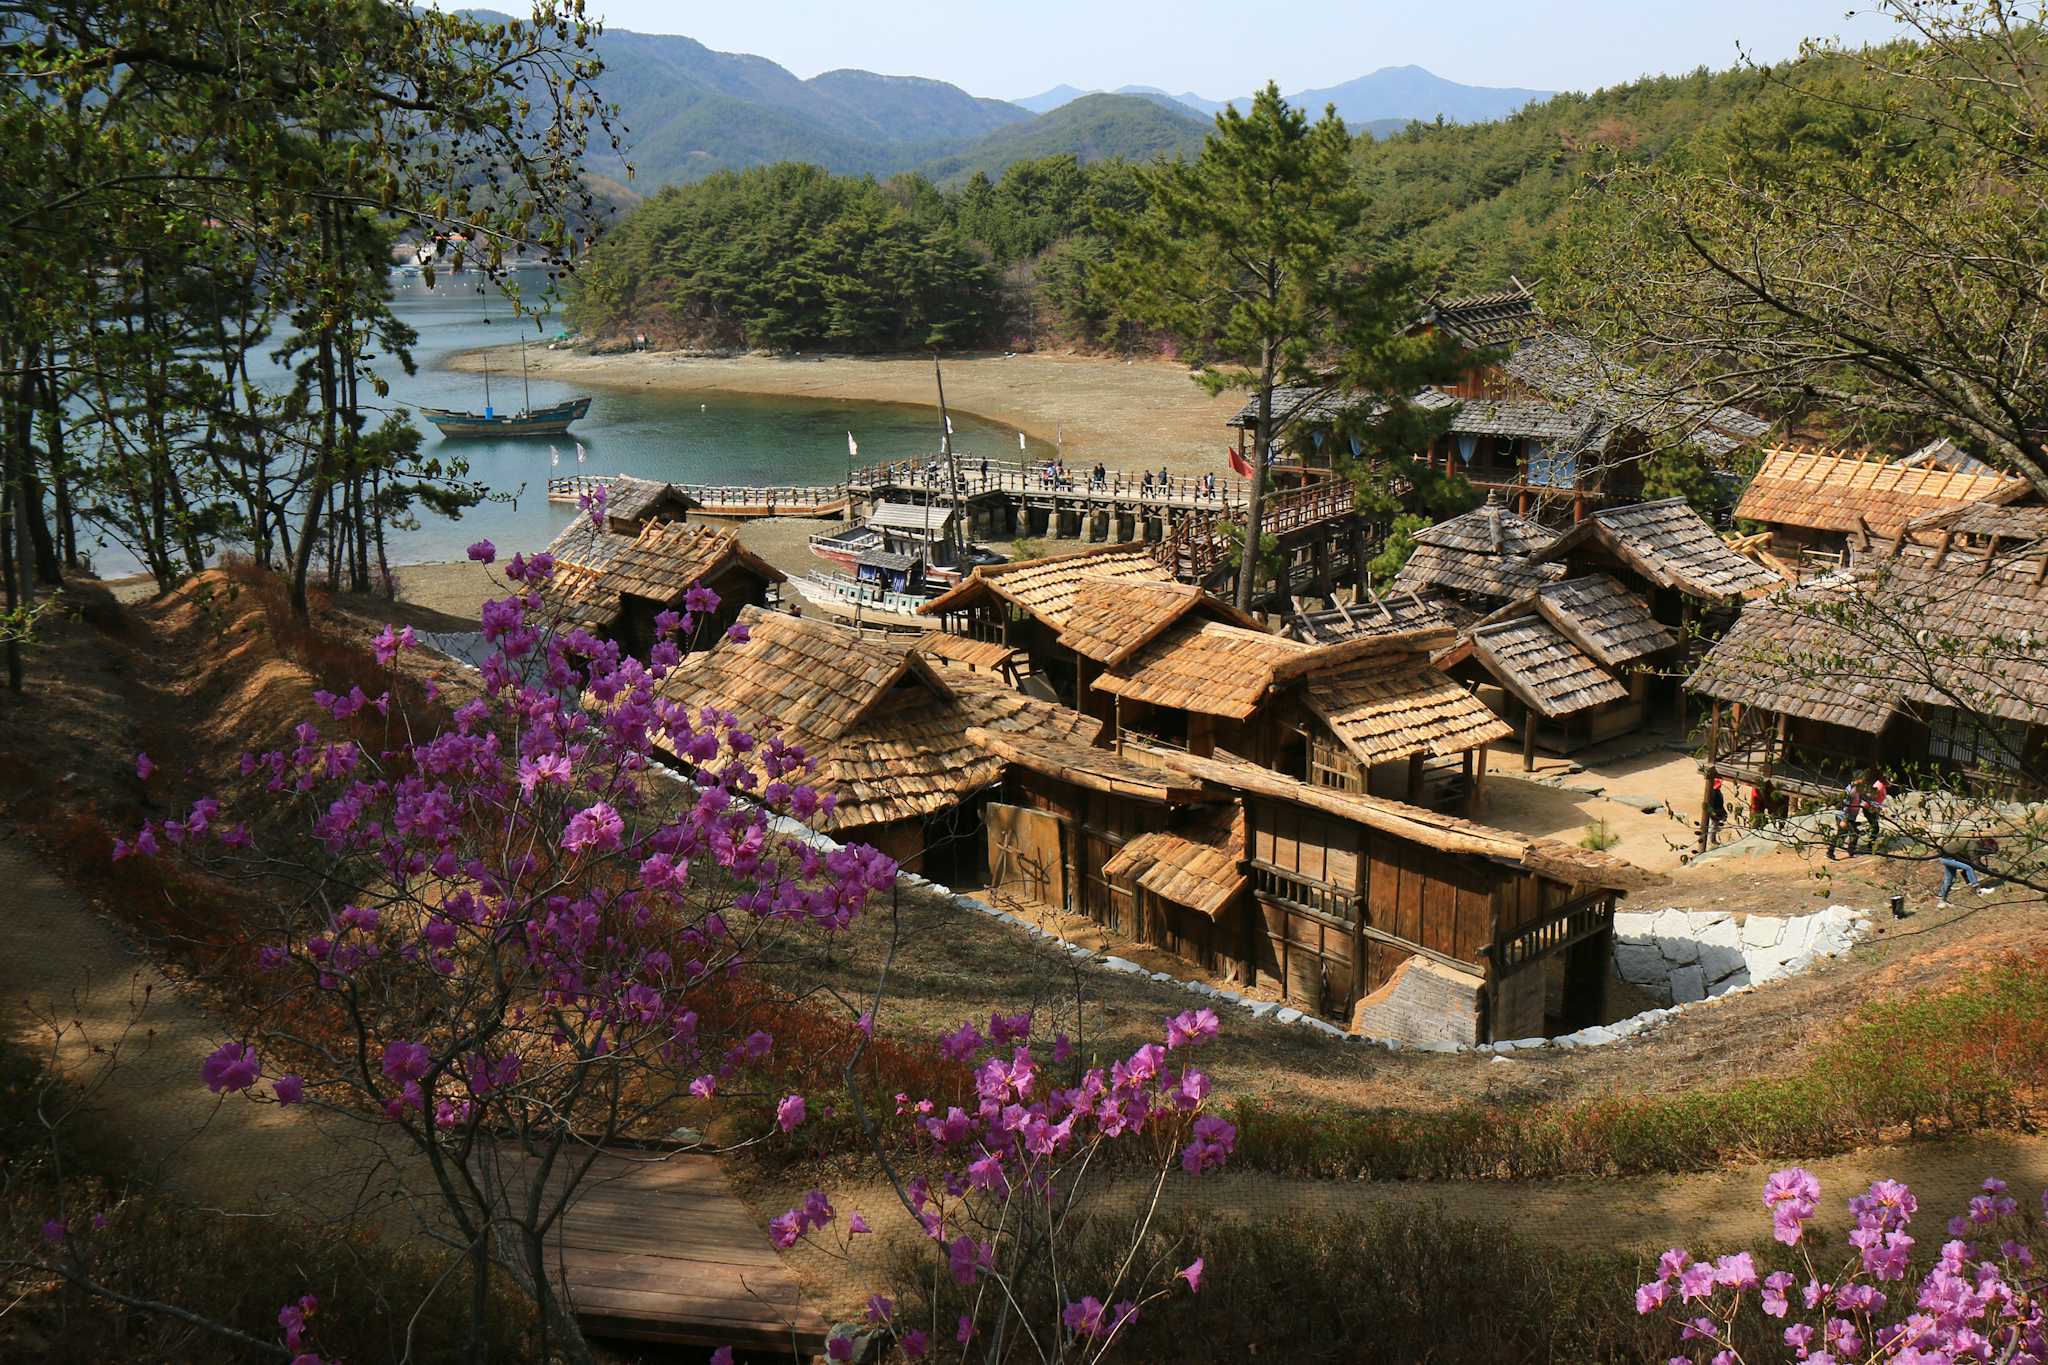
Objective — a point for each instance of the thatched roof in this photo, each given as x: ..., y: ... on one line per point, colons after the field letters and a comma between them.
x: 1111, y: 619
x: 1132, y: 774
x: 1396, y: 611
x: 1603, y: 619
x: 668, y: 558
x: 1389, y: 708
x: 1825, y: 491
x: 1201, y: 867
x: 1488, y: 529
x: 1670, y: 545
x: 1926, y: 628
x: 1445, y: 833
x: 887, y: 734
x: 1472, y: 573
x: 1048, y: 588
x: 1545, y: 670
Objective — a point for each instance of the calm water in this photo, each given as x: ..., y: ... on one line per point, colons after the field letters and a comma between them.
x: 701, y: 438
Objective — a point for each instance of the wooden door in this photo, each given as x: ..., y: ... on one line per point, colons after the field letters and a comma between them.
x: 1024, y: 855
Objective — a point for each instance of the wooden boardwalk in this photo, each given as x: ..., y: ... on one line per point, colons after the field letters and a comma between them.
x: 657, y: 1248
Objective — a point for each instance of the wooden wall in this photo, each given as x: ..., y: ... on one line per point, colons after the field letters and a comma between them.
x: 1442, y: 901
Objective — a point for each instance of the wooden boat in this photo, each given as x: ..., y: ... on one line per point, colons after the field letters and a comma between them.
x: 549, y: 421
x: 553, y: 420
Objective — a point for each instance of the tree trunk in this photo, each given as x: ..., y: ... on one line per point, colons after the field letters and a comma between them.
x: 1248, y: 558
x: 60, y: 474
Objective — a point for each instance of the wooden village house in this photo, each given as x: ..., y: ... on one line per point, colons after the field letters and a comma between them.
x: 1922, y: 661
x: 615, y: 585
x: 1813, y: 504
x: 631, y: 504
x: 1538, y: 416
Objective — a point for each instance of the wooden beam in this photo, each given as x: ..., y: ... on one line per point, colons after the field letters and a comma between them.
x: 1528, y: 739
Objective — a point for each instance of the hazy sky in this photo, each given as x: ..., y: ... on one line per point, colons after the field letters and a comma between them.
x: 1223, y: 48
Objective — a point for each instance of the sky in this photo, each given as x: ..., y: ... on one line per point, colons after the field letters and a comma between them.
x: 1225, y: 48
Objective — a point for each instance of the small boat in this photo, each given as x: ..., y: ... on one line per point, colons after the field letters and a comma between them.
x: 553, y: 420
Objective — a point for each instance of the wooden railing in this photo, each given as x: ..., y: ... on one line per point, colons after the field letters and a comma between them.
x: 1579, y: 919
x: 1278, y: 884
x: 977, y: 477
x: 712, y: 496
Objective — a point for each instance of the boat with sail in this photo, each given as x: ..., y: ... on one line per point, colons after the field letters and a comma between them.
x: 552, y: 420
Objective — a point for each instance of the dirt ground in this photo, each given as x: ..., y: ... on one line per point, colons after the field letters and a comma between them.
x: 1137, y: 414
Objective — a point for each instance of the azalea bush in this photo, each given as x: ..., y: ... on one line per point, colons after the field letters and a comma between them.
x: 498, y: 938
x: 1983, y: 1298
x: 1000, y: 1187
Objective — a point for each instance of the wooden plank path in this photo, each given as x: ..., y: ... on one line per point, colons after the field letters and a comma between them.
x: 657, y: 1248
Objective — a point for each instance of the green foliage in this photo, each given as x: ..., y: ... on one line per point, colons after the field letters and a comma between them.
x: 1934, y: 1061
x: 790, y: 256
x: 1599, y: 837
x: 1092, y: 128
x: 1400, y: 544
x: 1679, y: 472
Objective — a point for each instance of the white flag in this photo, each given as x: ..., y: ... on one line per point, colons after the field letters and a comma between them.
x: 852, y: 446
x: 554, y: 458
x: 580, y: 456
x: 949, y: 426
x: 1020, y: 441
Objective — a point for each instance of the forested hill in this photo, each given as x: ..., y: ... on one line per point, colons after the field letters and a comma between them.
x: 1092, y: 128
x: 994, y: 255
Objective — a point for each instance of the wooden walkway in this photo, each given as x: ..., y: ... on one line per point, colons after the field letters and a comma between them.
x: 657, y: 1248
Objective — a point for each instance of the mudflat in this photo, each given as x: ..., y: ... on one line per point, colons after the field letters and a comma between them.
x: 1135, y: 414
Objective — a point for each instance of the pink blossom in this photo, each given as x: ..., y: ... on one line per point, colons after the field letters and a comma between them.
x: 969, y: 1259
x: 789, y: 1113
x: 405, y: 1061
x: 1190, y: 1027
x: 1192, y: 1273
x: 722, y: 1356
x: 54, y: 1231
x: 704, y: 1087
x: 483, y: 552
x: 915, y: 1343
x: 289, y: 1089
x: 964, y: 1333
x: 597, y: 826
x: 144, y: 766
x: 1084, y: 1319
x: 231, y: 1067
x: 1650, y: 1297
x: 839, y: 1348
x: 855, y: 1225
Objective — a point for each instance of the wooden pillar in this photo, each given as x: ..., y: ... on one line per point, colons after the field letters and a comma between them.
x: 1415, y: 778
x: 1478, y: 804
x: 1529, y: 739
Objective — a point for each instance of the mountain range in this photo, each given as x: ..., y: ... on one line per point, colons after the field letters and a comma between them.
x: 1392, y: 95
x: 689, y: 111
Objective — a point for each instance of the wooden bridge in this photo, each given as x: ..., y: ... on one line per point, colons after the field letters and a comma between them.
x: 740, y: 502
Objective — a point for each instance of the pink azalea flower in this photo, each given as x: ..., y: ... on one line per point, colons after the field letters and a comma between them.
x: 483, y: 552
x: 594, y: 826
x: 54, y: 1231
x: 232, y: 1067
x: 1192, y: 1273
x: 722, y: 1356
x: 289, y: 1089
x: 144, y: 766
x: 855, y: 1225
x: 789, y: 1113
x: 915, y: 1343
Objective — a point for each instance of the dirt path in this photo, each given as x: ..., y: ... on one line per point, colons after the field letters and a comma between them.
x: 61, y: 960
x: 1133, y: 414
x: 1717, y: 1211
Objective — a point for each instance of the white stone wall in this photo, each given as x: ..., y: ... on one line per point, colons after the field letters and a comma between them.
x: 1688, y: 955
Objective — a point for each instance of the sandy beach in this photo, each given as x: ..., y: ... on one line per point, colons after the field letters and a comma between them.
x: 1136, y: 415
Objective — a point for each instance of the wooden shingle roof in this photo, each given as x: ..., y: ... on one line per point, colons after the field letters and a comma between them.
x: 910, y: 517
x: 1925, y: 628
x: 1388, y: 709
x: 1201, y: 868
x: 1473, y: 574
x: 1488, y: 320
x: 1203, y: 666
x: 1075, y: 759
x: 578, y: 596
x: 1670, y: 545
x: 988, y: 655
x: 1601, y: 617
x: 1445, y: 833
x: 668, y: 558
x: 1381, y: 615
x: 630, y: 499
x: 1839, y: 492
x: 1048, y: 588
x: 1546, y: 671
x: 1488, y: 529
x: 1112, y: 619
x: 888, y: 737
x: 592, y: 547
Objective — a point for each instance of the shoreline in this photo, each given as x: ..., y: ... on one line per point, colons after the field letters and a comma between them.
x: 1136, y: 414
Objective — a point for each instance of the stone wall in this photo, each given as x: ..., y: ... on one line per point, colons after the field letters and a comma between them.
x: 1688, y: 955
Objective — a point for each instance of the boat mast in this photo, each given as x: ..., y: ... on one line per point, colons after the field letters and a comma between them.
x: 525, y: 389
x: 953, y: 536
x: 487, y: 380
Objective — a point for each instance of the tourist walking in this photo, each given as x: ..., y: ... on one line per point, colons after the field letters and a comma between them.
x: 1849, y: 819
x: 1874, y: 793
x: 1146, y: 491
x: 1717, y: 810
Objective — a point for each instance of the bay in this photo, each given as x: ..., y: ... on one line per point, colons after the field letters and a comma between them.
x: 717, y: 437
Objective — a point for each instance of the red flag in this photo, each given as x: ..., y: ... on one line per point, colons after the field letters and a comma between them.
x: 1239, y: 464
